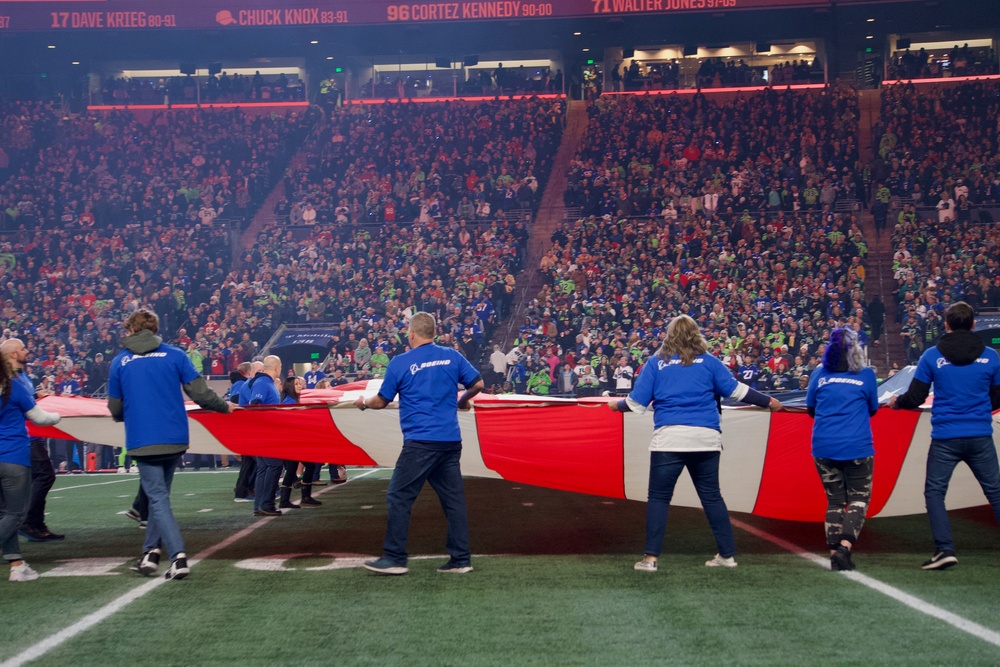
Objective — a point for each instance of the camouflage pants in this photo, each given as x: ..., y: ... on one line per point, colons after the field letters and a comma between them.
x: 848, y: 486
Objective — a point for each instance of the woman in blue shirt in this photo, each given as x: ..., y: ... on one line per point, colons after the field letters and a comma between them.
x: 842, y: 397
x: 683, y: 382
x: 16, y: 403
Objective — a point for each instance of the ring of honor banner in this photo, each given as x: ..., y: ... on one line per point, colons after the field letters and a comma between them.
x: 565, y: 444
x: 233, y: 14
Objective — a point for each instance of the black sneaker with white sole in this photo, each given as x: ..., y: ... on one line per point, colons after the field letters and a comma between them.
x: 179, y: 568
x: 940, y: 561
x: 148, y: 563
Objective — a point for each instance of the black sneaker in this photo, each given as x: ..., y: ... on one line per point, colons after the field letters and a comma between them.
x: 148, y: 563
x: 841, y: 559
x: 266, y: 512
x: 456, y: 567
x: 940, y: 561
x: 179, y: 568
x: 134, y: 515
x: 309, y: 502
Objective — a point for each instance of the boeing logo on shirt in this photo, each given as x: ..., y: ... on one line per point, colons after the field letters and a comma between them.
x: 942, y: 362
x: 427, y: 364
x: 151, y: 355
x: 660, y: 365
x: 826, y: 381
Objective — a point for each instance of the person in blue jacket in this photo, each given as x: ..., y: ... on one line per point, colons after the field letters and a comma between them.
x: 143, y: 391
x: 966, y: 378
x: 17, y: 402
x: 262, y: 390
x: 684, y: 383
x: 291, y: 392
x: 842, y: 397
x: 426, y: 378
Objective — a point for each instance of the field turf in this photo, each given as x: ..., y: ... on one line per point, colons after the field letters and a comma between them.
x: 553, y: 585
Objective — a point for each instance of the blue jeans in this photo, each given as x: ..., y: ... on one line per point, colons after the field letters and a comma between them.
x: 156, y: 473
x: 15, y: 492
x: 664, y: 470
x: 266, y: 483
x: 441, y: 469
x: 981, y: 457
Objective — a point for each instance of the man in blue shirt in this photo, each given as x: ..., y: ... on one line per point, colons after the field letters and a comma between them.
x: 262, y: 390
x: 966, y: 378
x: 313, y: 376
x: 243, y: 491
x: 142, y: 392
x: 426, y: 379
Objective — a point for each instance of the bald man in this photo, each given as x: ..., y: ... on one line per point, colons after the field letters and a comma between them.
x: 262, y: 389
x: 248, y: 464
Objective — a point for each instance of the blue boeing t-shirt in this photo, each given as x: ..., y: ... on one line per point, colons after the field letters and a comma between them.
x: 426, y: 379
x: 961, y: 393
x: 842, y: 429
x: 684, y: 395
x: 154, y: 407
x: 14, y: 442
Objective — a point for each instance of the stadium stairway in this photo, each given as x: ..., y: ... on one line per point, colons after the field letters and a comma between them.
x: 879, y: 279
x: 550, y: 214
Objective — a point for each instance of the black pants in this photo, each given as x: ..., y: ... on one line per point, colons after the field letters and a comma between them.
x: 291, y: 472
x: 42, y: 479
x: 848, y: 486
x: 245, y: 480
x: 141, y: 504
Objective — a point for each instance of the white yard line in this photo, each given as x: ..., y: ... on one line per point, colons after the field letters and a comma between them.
x: 90, y: 620
x: 976, y: 630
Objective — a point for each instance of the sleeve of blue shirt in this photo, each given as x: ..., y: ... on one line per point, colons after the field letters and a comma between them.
x: 186, y: 371
x: 114, y: 382
x: 725, y: 383
x: 925, y: 368
x: 642, y: 392
x: 871, y: 388
x: 20, y: 397
x: 390, y: 383
x: 467, y: 373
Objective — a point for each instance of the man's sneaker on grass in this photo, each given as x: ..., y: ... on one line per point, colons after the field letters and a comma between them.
x: 385, y: 566
x: 940, y: 561
x: 134, y: 515
x: 179, y: 568
x: 267, y: 512
x: 309, y: 502
x: 456, y: 567
x: 646, y: 565
x: 148, y: 563
x: 22, y: 572
x: 244, y: 499
x: 719, y: 561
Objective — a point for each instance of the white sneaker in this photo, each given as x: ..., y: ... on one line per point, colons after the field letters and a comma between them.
x: 22, y: 572
x: 646, y: 565
x: 719, y: 561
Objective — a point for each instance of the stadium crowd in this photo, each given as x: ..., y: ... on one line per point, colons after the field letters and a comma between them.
x: 940, y: 151
x: 432, y: 161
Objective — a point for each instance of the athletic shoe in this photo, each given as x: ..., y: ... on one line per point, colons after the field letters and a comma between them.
x: 266, y: 512
x: 39, y: 534
x: 134, y: 515
x: 148, y: 563
x: 719, y: 561
x: 319, y: 482
x: 646, y: 565
x: 940, y: 561
x: 341, y: 475
x: 142, y: 525
x: 456, y: 567
x: 179, y: 568
x: 385, y: 566
x: 840, y: 560
x: 22, y: 572
x: 248, y: 499
x: 309, y: 502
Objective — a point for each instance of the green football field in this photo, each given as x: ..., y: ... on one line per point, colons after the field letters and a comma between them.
x: 553, y: 585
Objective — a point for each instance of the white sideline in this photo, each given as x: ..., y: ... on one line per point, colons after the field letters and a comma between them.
x: 41, y: 648
x: 912, y: 601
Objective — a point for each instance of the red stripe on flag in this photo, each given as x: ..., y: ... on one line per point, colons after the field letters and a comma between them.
x: 48, y: 432
x: 295, y: 434
x: 790, y: 487
x: 893, y: 432
x: 565, y: 447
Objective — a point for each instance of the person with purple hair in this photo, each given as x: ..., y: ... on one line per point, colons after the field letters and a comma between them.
x: 841, y: 398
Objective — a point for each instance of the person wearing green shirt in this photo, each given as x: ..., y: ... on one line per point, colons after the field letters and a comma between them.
x: 539, y: 382
x: 378, y: 362
x: 197, y: 358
